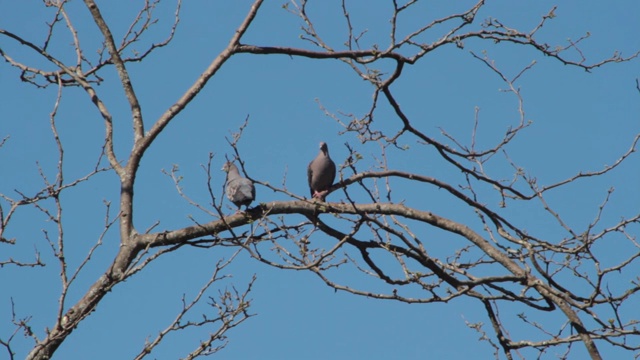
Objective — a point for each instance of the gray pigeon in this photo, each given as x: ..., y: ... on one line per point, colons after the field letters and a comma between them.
x: 321, y: 172
x: 239, y: 190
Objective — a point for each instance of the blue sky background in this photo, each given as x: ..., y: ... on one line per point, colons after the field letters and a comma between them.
x: 581, y: 122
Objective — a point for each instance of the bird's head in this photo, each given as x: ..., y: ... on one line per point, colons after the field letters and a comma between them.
x: 324, y: 148
x: 227, y: 166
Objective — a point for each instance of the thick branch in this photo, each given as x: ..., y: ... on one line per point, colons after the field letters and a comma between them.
x: 363, y: 56
x: 312, y: 209
x: 138, y: 126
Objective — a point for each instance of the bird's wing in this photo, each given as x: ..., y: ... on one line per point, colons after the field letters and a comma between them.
x: 310, y: 175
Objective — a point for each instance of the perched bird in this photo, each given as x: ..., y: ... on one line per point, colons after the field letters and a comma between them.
x: 239, y: 190
x: 321, y: 172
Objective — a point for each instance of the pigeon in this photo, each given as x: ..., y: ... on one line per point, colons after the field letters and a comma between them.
x: 239, y: 190
x: 321, y: 172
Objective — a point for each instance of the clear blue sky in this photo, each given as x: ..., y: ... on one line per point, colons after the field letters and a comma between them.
x: 581, y: 122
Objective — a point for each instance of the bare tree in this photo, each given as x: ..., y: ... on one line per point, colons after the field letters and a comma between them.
x: 493, y: 260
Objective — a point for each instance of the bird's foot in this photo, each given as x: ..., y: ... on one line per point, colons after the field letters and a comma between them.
x: 320, y: 195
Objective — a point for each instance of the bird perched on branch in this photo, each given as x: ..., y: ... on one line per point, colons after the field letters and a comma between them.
x: 239, y: 190
x: 321, y: 172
